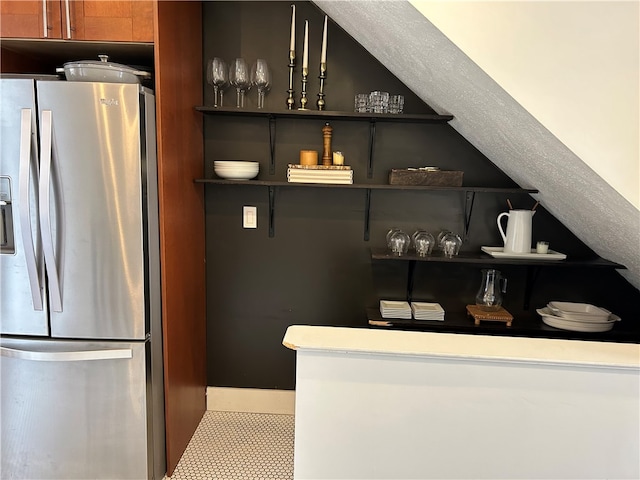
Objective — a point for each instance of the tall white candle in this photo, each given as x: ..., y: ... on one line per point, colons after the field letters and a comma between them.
x: 305, y: 51
x: 292, y: 43
x: 323, y: 55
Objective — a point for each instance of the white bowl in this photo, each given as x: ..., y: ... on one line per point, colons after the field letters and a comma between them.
x: 236, y: 170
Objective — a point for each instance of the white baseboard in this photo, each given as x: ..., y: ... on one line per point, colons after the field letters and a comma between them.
x: 251, y: 400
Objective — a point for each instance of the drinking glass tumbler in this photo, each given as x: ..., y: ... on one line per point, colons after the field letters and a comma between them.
x: 379, y: 102
x: 362, y: 103
x: 396, y: 103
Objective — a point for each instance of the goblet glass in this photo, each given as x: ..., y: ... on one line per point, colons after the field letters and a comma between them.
x: 399, y: 242
x: 389, y: 233
x: 218, y: 78
x: 441, y: 236
x: 239, y: 78
x: 423, y: 242
x: 261, y: 79
x: 451, y: 244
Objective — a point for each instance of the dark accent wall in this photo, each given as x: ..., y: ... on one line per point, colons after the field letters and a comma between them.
x: 317, y: 269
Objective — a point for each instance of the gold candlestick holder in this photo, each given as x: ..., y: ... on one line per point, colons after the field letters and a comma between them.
x: 303, y: 98
x: 323, y: 75
x: 291, y: 101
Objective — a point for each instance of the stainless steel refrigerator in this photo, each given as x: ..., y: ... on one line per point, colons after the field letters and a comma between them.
x: 80, y: 308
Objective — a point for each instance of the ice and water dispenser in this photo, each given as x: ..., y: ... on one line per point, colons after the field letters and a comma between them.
x: 7, y: 244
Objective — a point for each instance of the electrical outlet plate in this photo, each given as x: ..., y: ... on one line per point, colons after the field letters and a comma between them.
x: 249, y: 217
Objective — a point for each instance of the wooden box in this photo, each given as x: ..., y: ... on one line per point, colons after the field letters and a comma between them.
x: 437, y: 178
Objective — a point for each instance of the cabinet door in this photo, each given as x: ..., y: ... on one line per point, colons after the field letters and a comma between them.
x: 123, y: 21
x: 27, y: 19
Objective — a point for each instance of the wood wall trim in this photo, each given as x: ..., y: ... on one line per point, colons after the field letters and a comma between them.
x: 178, y: 71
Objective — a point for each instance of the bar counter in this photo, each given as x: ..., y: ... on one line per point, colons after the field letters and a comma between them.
x: 380, y: 404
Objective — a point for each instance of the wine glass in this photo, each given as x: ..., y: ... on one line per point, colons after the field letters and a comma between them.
x: 239, y: 77
x: 217, y: 76
x: 261, y: 79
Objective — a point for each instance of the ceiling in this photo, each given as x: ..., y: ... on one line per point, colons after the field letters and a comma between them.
x: 436, y: 70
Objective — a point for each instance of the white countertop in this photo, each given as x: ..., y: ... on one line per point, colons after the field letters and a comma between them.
x: 459, y: 346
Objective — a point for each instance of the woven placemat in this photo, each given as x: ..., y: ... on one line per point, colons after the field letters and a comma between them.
x: 500, y: 315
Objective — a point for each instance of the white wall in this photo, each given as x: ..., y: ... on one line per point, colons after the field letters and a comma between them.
x: 574, y: 65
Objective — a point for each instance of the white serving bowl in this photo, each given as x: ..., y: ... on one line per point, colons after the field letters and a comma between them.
x: 236, y: 170
x: 579, y: 311
x: 575, y: 325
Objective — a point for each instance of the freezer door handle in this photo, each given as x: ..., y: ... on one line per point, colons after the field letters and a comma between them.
x: 47, y: 150
x: 26, y: 147
x: 71, y: 356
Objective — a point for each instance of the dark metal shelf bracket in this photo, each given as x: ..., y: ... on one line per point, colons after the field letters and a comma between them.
x: 468, y: 209
x: 367, y: 211
x: 410, y: 279
x: 272, y: 204
x: 532, y: 275
x: 272, y: 145
x: 372, y: 140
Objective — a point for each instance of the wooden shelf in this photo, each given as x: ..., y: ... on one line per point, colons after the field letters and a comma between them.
x: 363, y: 186
x: 371, y: 118
x: 327, y: 115
x: 368, y: 187
x: 481, y: 258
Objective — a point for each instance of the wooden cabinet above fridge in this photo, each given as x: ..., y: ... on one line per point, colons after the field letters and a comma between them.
x: 124, y: 21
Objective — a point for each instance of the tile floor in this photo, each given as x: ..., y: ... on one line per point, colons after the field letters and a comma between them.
x: 232, y: 445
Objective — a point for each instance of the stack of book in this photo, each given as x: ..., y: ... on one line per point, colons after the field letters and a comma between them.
x: 339, y: 174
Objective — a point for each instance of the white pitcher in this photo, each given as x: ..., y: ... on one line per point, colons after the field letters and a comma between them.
x: 518, y: 236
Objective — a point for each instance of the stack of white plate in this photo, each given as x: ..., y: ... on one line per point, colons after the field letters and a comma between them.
x: 427, y: 311
x: 579, y: 317
x: 395, y: 309
x: 236, y: 170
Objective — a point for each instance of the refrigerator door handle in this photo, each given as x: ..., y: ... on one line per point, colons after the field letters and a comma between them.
x: 47, y: 147
x: 71, y: 356
x: 25, y: 217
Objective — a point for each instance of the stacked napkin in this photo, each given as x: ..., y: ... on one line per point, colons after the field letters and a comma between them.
x: 395, y: 309
x: 427, y: 311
